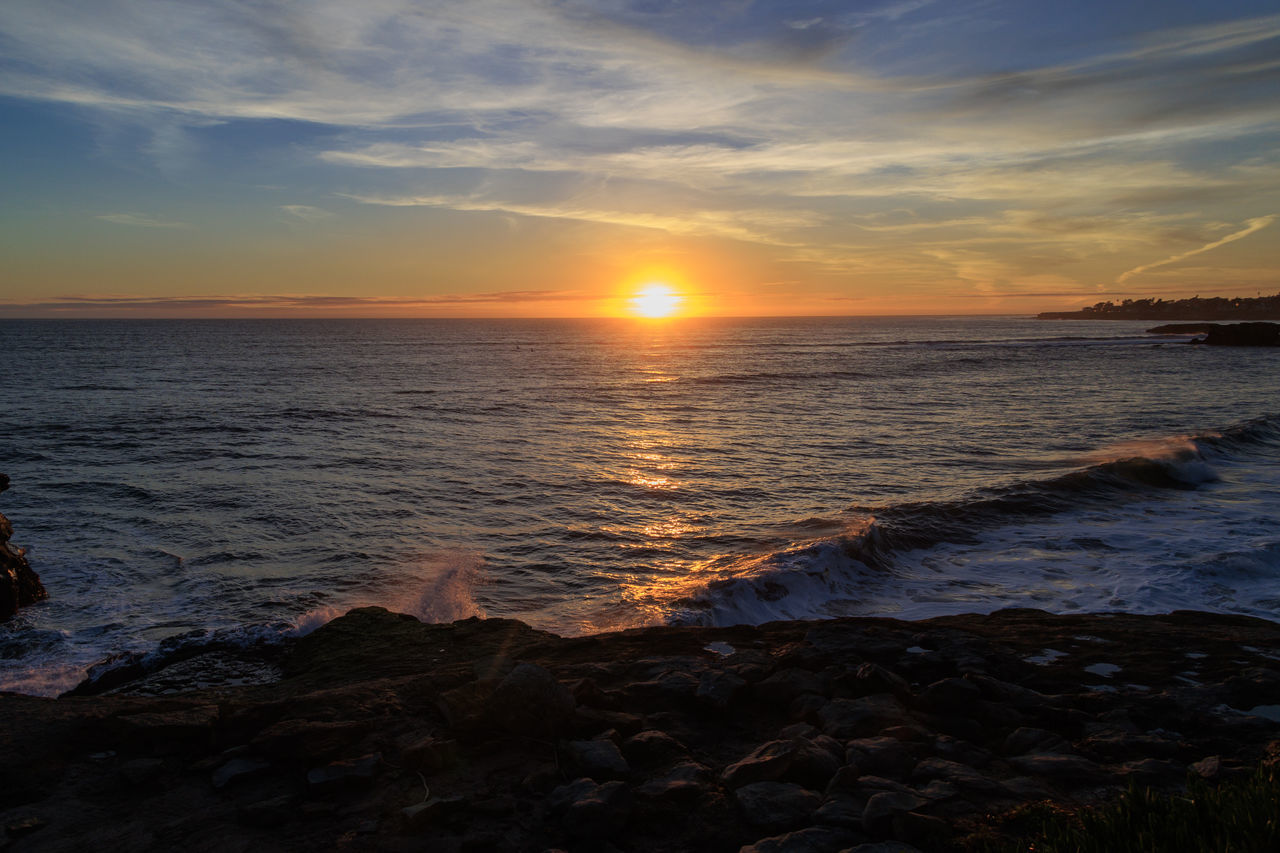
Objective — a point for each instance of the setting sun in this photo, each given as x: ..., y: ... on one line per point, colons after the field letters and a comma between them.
x: 656, y: 300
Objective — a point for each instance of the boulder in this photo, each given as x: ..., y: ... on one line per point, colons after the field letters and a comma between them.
x: 19, y: 584
x: 796, y: 760
x: 530, y: 701
x: 1244, y: 335
x: 776, y: 806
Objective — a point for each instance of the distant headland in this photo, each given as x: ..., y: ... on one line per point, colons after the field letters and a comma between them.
x: 1195, y: 308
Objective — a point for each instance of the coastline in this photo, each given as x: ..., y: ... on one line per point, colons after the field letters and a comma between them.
x: 386, y: 733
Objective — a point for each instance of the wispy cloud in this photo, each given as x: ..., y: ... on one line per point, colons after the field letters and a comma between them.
x: 1251, y: 226
x: 141, y: 220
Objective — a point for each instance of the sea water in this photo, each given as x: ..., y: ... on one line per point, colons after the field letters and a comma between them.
x: 254, y: 478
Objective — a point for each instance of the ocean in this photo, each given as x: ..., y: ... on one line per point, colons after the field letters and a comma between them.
x: 250, y: 479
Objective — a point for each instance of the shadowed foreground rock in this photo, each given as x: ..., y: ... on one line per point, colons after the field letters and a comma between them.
x: 19, y: 584
x: 387, y: 734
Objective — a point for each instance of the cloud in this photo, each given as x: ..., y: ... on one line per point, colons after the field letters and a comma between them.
x: 141, y: 220
x: 251, y: 302
x: 1251, y: 226
x: 306, y: 212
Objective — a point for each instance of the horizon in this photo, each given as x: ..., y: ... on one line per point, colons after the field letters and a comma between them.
x: 497, y: 159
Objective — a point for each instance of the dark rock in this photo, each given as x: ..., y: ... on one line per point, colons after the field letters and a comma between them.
x: 681, y: 782
x: 949, y: 695
x: 352, y: 773
x: 1060, y: 769
x: 776, y: 806
x: 881, y: 756
x: 786, y: 685
x: 1154, y: 773
x: 167, y: 731
x: 652, y: 747
x: 1208, y: 768
x: 18, y: 827
x: 720, y: 690
x: 433, y: 810
x: 961, y: 776
x: 961, y: 751
x: 307, y: 740
x: 924, y: 831
x: 1024, y: 740
x: 1244, y: 335
x: 877, y: 817
x: 591, y: 810
x: 238, y: 770
x: 272, y: 811
x: 851, y: 718
x: 141, y: 771
x: 598, y: 759
x: 841, y: 808
x: 430, y: 754
x: 19, y: 584
x: 883, y: 847
x: 815, y: 839
x: 530, y: 701
x: 795, y: 760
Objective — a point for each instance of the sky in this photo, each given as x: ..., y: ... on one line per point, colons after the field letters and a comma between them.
x: 551, y: 157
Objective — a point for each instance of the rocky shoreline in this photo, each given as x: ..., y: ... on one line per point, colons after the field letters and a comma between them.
x: 384, y: 733
x: 19, y: 584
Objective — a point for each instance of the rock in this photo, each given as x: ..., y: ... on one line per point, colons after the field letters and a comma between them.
x: 815, y: 839
x: 419, y: 816
x: 430, y: 754
x: 720, y: 690
x: 1208, y: 768
x: 871, y: 678
x: 776, y: 806
x: 877, y: 817
x: 591, y: 810
x: 272, y: 811
x: 786, y: 685
x: 962, y: 776
x: 948, y: 695
x: 598, y: 759
x: 1244, y: 335
x: 1154, y: 773
x: 167, y: 731
x: 307, y: 740
x: 1060, y: 769
x: 681, y: 783
x: 238, y: 770
x: 530, y: 701
x: 353, y: 773
x: 841, y: 808
x: 670, y: 688
x: 141, y: 771
x: 19, y: 584
x: 881, y: 756
x: 883, y: 847
x: 650, y: 748
x: 852, y: 718
x: 795, y: 760
x: 1023, y: 740
x: 961, y: 751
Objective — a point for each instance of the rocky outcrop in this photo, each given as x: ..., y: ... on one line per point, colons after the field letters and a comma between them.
x: 388, y: 734
x: 19, y: 584
x: 1244, y: 335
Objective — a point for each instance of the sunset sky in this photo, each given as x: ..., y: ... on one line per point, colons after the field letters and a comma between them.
x: 553, y: 157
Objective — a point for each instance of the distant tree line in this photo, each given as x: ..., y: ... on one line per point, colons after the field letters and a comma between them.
x: 1195, y: 308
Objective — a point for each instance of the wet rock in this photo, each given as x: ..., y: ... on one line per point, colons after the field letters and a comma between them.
x: 853, y: 718
x: 19, y: 584
x: 352, y: 773
x: 776, y: 806
x: 815, y: 839
x: 795, y: 760
x: 598, y: 759
x: 530, y: 701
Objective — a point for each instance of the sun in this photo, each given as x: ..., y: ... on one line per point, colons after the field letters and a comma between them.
x: 655, y: 300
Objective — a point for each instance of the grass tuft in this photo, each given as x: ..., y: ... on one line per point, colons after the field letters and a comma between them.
x: 1234, y: 817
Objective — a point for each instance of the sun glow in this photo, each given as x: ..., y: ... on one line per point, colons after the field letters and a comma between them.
x: 656, y: 300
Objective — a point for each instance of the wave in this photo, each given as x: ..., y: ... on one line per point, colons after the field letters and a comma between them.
x: 838, y: 575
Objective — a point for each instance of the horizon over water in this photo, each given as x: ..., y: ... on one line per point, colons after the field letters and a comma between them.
x: 250, y: 478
